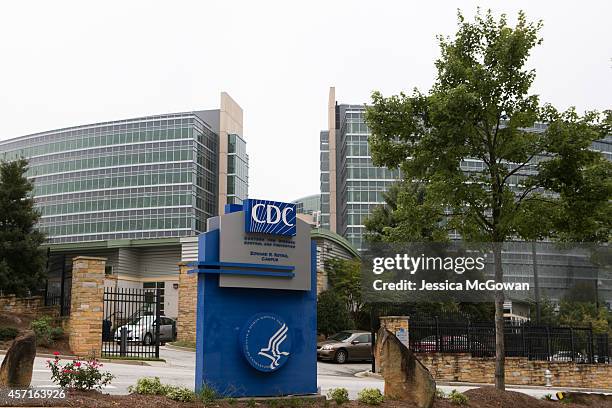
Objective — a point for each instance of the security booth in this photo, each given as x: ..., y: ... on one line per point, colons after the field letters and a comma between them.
x: 256, y: 306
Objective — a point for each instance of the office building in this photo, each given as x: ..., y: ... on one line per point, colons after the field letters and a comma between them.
x: 129, y: 190
x: 351, y: 187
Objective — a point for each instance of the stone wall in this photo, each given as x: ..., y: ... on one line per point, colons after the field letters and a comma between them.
x: 187, y: 303
x: 86, y: 308
x: 31, y: 306
x: 519, y: 371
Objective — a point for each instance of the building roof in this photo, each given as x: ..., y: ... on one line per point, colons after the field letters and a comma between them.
x: 338, y: 239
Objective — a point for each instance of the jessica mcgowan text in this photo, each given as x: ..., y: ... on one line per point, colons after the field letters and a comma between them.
x: 468, y: 285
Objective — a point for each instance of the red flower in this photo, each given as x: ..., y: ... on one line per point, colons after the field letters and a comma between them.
x: 56, y: 353
x: 77, y: 363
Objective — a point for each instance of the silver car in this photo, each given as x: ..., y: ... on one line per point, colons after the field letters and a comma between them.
x: 142, y: 329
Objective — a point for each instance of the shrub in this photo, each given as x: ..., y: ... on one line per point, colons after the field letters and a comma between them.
x: 458, y: 398
x: 8, y: 333
x: 207, y: 394
x: 251, y: 403
x: 547, y: 397
x: 148, y: 386
x: 46, y: 334
x: 180, y: 394
x: 78, y: 374
x: 339, y: 395
x: 440, y: 394
x: 57, y: 333
x: 370, y: 396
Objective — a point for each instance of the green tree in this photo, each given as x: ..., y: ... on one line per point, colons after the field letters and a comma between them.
x: 22, y: 261
x: 344, y: 279
x: 480, y: 107
x: 332, y: 315
x: 405, y: 216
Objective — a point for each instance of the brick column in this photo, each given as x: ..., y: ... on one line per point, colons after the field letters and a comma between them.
x: 398, y: 325
x: 86, y: 306
x: 187, y: 303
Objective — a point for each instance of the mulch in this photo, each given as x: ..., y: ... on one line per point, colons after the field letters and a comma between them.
x: 486, y: 397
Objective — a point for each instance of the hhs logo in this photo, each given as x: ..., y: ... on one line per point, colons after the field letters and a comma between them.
x: 269, y: 217
x: 266, y: 342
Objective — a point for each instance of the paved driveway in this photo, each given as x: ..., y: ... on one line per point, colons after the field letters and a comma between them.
x: 179, y: 370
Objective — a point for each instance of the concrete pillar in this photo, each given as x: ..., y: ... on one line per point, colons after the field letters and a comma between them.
x: 187, y: 304
x: 87, y: 306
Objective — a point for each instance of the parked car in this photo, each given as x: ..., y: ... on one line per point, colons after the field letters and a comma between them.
x: 451, y: 344
x: 348, y: 345
x: 142, y: 329
x: 566, y: 355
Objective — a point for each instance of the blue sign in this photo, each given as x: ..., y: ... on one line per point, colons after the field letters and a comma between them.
x: 266, y: 342
x: 240, y: 344
x: 269, y: 217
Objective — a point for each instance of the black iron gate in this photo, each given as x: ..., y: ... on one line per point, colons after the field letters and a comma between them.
x: 130, y: 327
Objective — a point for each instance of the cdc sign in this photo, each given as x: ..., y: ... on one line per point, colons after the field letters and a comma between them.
x: 256, y: 312
x: 269, y: 217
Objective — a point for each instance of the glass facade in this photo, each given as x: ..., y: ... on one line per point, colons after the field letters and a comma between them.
x: 140, y: 178
x: 237, y: 170
x: 360, y: 185
x: 308, y: 205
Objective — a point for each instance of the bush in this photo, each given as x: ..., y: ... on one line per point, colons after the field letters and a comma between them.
x: 440, y: 394
x: 8, y: 333
x: 207, y: 394
x: 46, y: 334
x: 458, y: 398
x: 547, y: 397
x: 78, y: 374
x: 148, y: 386
x: 180, y: 394
x: 370, y: 396
x: 339, y: 395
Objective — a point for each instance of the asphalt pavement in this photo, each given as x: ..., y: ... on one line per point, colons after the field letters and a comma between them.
x: 179, y: 366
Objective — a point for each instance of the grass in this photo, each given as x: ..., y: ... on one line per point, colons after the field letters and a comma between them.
x: 183, y: 343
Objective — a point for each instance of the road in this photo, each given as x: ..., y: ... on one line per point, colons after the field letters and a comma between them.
x: 179, y: 370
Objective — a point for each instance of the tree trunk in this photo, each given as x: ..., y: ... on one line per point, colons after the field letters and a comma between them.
x: 536, y: 282
x: 500, y: 352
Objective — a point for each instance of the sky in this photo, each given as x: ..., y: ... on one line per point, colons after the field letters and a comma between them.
x: 66, y: 63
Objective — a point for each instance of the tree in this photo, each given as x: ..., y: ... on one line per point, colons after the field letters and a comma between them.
x: 22, y: 261
x: 480, y: 107
x: 332, y: 315
x: 405, y: 216
x: 344, y: 278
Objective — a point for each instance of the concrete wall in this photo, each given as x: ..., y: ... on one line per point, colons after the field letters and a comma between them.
x: 519, y: 371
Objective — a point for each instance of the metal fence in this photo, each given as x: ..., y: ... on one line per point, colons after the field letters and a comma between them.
x: 536, y: 342
x: 454, y: 332
x: 131, y: 323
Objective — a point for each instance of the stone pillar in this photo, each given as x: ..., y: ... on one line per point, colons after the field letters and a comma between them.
x: 398, y: 325
x: 86, y: 306
x: 187, y: 304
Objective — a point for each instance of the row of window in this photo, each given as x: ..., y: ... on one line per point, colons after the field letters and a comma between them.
x: 146, y: 234
x: 117, y: 204
x: 113, y: 182
x: 118, y: 226
x: 97, y: 141
x: 107, y: 161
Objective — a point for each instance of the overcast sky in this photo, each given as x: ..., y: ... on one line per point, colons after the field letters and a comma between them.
x: 71, y: 63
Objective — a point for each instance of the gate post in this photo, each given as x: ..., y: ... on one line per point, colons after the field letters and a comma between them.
x: 86, y: 306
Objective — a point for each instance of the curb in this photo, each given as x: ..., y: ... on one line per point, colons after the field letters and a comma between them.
x: 370, y: 374
x: 179, y: 348
x: 103, y: 360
